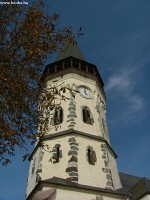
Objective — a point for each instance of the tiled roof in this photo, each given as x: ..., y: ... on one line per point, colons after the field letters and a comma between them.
x: 141, y: 188
x: 128, y: 180
x: 137, y: 186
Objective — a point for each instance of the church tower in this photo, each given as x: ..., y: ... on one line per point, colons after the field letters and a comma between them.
x: 81, y: 164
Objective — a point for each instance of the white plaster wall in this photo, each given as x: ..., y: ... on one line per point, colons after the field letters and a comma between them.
x: 91, y: 174
x: 74, y: 194
x: 146, y: 197
x: 58, y: 169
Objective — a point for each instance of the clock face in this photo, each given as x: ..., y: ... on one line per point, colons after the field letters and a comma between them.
x: 85, y: 92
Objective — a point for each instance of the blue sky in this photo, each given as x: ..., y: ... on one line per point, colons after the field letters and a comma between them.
x: 117, y: 41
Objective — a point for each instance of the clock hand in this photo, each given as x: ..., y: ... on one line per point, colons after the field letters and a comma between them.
x: 85, y: 91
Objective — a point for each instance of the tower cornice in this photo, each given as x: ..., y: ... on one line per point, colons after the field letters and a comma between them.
x: 63, y: 183
x: 73, y: 65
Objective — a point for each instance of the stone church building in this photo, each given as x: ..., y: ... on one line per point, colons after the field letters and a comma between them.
x: 82, y: 164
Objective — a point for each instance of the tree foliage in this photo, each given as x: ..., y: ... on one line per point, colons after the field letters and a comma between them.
x: 28, y: 36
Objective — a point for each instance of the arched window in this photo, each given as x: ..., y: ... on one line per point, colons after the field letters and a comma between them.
x: 91, y: 156
x: 87, y: 117
x: 58, y: 115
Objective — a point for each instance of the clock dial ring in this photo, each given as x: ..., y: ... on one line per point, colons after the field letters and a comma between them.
x: 85, y: 92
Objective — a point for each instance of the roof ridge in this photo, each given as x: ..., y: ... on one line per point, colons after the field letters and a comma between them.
x: 130, y: 175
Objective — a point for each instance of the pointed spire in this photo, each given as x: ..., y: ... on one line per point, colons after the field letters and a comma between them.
x: 71, y: 50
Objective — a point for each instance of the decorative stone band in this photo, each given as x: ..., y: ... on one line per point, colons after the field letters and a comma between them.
x: 72, y: 168
x: 41, y: 154
x: 98, y: 198
x: 39, y: 168
x: 109, y: 184
x: 72, y: 113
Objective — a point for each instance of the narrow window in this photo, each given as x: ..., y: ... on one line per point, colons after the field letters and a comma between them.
x: 87, y: 115
x: 104, y: 126
x: 89, y: 155
x: 33, y: 167
x: 58, y: 153
x: 58, y: 115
